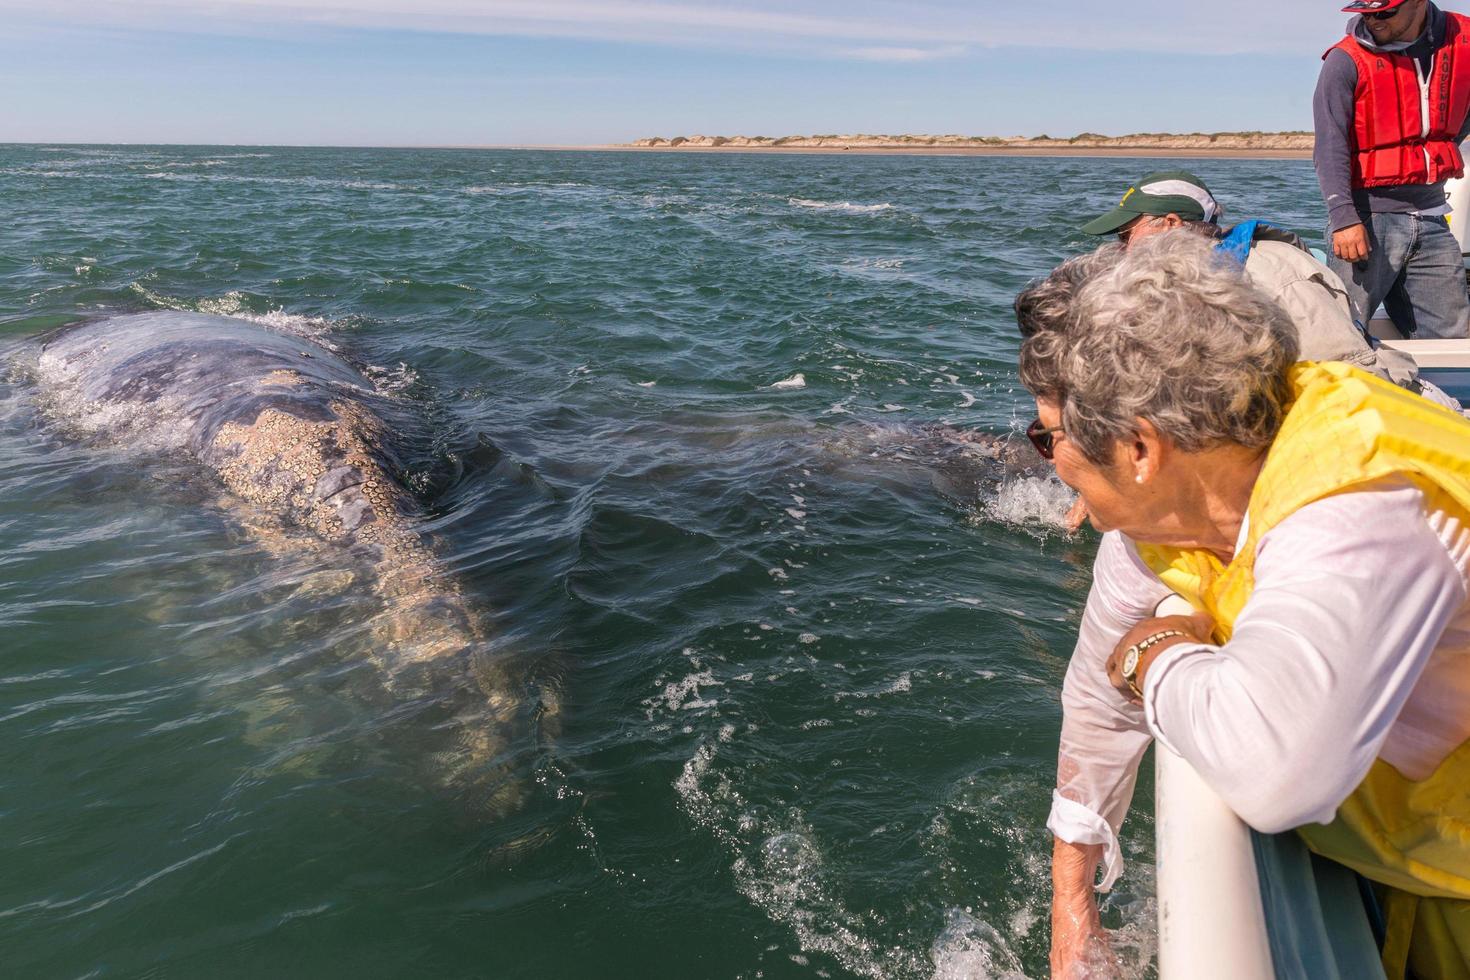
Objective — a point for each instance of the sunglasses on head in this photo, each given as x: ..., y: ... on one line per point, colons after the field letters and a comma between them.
x: 1043, y: 439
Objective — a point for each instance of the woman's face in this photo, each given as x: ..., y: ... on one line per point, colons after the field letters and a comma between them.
x: 1115, y: 501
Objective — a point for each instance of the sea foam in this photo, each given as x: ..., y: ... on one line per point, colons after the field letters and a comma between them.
x: 801, y: 202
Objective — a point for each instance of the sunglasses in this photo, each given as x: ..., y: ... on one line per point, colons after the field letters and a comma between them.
x: 1386, y: 14
x: 1043, y: 439
x: 1125, y: 234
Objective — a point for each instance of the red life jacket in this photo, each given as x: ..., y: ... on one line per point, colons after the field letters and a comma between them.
x: 1405, y: 133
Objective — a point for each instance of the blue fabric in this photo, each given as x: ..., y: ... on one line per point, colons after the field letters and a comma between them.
x: 1317, y: 924
x: 1237, y: 244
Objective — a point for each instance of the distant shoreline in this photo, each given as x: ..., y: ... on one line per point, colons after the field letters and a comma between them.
x: 1012, y: 150
x: 1156, y: 152
x: 1289, y: 145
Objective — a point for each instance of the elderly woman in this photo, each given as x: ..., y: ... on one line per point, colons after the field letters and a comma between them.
x: 1319, y: 521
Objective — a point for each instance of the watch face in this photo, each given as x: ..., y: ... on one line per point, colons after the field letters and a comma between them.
x: 1130, y: 662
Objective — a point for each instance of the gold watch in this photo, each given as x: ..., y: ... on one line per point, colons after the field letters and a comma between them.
x: 1133, y: 656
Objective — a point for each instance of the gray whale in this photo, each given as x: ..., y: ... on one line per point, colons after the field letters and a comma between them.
x: 291, y: 428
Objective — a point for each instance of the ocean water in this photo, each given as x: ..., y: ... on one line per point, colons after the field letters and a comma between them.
x: 704, y: 437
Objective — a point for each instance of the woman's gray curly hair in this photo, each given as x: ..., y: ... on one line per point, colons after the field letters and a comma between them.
x: 1170, y: 331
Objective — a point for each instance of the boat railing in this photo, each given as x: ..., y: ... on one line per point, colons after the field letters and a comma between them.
x: 1212, y: 921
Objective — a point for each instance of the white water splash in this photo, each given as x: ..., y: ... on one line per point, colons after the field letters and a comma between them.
x: 870, y: 265
x: 780, y: 868
x: 1031, y: 500
x: 392, y: 381
x: 683, y: 695
x: 902, y: 684
x: 801, y: 202
x: 150, y: 427
x: 233, y: 304
x: 970, y: 949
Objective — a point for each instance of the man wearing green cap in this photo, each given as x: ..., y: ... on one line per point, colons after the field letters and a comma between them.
x: 1155, y: 197
x: 1275, y: 261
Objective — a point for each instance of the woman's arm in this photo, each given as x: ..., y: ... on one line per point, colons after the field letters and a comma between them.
x: 1103, y: 738
x: 1076, y: 931
x: 1352, y: 595
x: 1103, y: 735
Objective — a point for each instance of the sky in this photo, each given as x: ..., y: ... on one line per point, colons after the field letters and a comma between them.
x: 581, y: 72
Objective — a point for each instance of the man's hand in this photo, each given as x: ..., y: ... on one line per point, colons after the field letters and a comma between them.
x: 1078, y: 940
x: 1351, y: 243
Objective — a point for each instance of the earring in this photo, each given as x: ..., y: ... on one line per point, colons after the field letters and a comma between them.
x: 1138, y: 478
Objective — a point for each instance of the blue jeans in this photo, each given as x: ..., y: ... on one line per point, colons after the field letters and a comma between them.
x: 1415, y: 271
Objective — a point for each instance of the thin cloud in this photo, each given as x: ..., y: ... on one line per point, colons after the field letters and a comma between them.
x: 657, y: 22
x: 868, y: 30
x: 900, y: 55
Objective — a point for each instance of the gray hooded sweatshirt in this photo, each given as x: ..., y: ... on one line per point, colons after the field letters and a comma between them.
x: 1332, y: 112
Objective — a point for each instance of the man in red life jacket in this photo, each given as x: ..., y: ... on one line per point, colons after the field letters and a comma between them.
x: 1390, y: 109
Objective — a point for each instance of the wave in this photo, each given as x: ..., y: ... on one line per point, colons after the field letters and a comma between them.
x: 552, y: 188
x: 797, y: 380
x: 780, y: 867
x: 870, y: 265
x: 27, y: 172
x: 390, y: 381
x: 234, y: 304
x: 216, y: 178
x: 848, y: 206
x: 184, y: 164
x: 971, y: 947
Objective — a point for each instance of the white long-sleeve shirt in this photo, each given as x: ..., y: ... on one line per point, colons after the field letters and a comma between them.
x: 1354, y: 646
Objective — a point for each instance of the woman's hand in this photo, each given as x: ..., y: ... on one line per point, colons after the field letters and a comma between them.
x: 1075, y: 516
x: 1078, y: 941
x: 1195, y: 628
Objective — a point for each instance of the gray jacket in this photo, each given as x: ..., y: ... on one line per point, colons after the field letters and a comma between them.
x: 1316, y: 301
x: 1332, y: 114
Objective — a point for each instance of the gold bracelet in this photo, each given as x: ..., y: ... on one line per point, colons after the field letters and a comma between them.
x: 1157, y: 638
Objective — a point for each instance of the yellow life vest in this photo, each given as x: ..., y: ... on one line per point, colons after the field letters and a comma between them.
x: 1346, y: 429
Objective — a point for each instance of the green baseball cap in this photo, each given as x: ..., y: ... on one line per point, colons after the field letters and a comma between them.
x: 1167, y: 192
